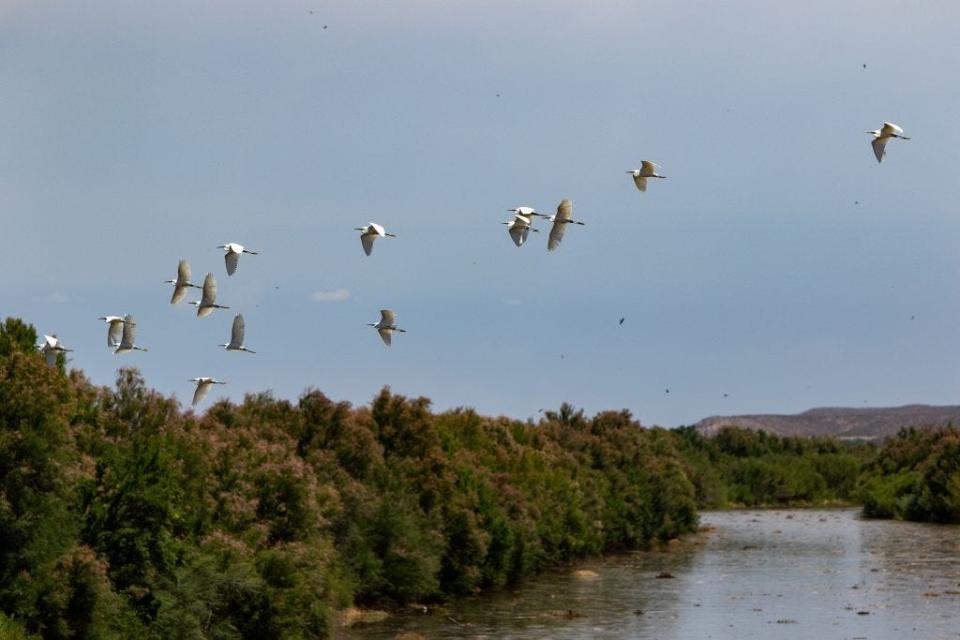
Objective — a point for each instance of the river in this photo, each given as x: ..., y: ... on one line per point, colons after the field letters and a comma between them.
x: 801, y: 574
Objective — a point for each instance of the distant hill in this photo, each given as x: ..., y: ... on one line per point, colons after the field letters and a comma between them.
x: 847, y: 424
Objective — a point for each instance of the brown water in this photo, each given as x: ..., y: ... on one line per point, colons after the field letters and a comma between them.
x: 801, y: 574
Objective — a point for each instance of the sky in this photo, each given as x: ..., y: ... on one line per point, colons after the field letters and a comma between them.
x: 777, y: 268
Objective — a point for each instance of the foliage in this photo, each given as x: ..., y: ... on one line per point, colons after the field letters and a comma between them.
x: 755, y: 468
x: 916, y: 476
x: 122, y: 515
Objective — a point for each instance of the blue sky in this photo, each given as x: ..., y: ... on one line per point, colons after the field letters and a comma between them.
x: 778, y: 263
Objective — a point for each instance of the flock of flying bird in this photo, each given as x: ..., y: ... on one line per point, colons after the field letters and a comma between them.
x: 121, y: 330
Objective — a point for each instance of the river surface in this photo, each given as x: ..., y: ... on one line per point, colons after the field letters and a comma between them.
x: 805, y: 574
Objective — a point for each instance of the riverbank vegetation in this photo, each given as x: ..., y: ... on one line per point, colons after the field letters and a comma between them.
x: 915, y: 476
x: 123, y: 515
x: 743, y: 468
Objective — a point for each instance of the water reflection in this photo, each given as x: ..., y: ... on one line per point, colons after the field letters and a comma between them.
x: 788, y: 574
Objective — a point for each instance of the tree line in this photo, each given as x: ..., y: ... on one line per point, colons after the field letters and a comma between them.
x: 124, y: 516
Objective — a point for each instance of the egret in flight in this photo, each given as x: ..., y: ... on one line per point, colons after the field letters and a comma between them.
x: 208, y: 302
x: 114, y: 329
x: 527, y: 212
x: 232, y: 255
x: 519, y: 228
x: 560, y: 220
x: 647, y: 170
x: 236, y: 336
x: 386, y: 326
x: 182, y: 283
x: 369, y: 233
x: 128, y: 341
x: 51, y: 347
x: 203, y: 388
x: 882, y: 135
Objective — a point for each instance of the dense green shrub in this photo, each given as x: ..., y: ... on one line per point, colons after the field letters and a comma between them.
x: 916, y: 476
x: 121, y: 515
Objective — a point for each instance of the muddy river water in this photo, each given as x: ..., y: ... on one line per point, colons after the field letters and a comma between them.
x: 805, y: 574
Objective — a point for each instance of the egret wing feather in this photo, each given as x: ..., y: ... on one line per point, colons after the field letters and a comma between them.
x: 129, y: 332
x: 556, y: 234
x: 385, y: 336
x: 179, y: 293
x: 203, y: 388
x: 366, y: 240
x: 232, y: 259
x: 879, y: 145
x: 236, y: 335
x: 387, y: 317
x: 640, y: 181
x: 209, y: 290
x: 114, y: 332
x: 183, y: 272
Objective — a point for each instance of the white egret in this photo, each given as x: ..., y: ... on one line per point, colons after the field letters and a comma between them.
x: 527, y: 212
x: 386, y: 326
x: 236, y: 336
x: 232, y: 255
x: 51, y: 347
x: 182, y: 282
x: 208, y: 302
x: 203, y: 388
x: 882, y: 135
x: 647, y: 170
x: 128, y: 341
x: 519, y: 228
x: 560, y: 220
x: 371, y: 232
x: 114, y: 329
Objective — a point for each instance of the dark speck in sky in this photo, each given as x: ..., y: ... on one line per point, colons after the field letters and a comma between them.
x: 621, y: 320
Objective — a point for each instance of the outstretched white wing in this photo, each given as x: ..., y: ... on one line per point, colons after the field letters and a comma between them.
x: 879, y: 145
x: 183, y: 272
x: 236, y: 335
x: 556, y: 234
x: 209, y: 291
x: 114, y: 331
x: 387, y: 318
x: 366, y: 239
x: 232, y: 259
x: 203, y: 388
x: 385, y: 335
x: 179, y: 293
x: 129, y: 333
x: 640, y: 181
x: 518, y: 235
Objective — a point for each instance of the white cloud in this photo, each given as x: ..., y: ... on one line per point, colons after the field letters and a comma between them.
x: 55, y: 298
x: 337, y: 295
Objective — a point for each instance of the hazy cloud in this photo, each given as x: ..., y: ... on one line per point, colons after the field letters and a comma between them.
x: 55, y: 298
x: 336, y: 295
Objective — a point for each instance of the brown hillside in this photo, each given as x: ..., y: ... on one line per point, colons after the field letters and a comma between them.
x: 861, y: 424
